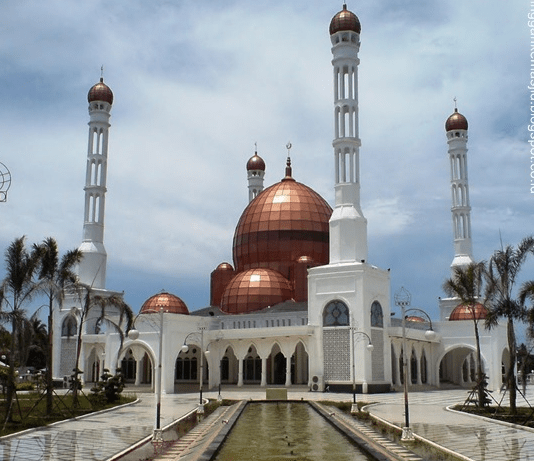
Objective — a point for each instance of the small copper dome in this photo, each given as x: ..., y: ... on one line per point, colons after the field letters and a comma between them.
x: 100, y: 92
x: 255, y: 289
x: 284, y: 222
x: 456, y: 122
x: 345, y: 20
x: 415, y: 318
x: 255, y: 163
x: 224, y: 267
x: 468, y: 312
x: 169, y: 302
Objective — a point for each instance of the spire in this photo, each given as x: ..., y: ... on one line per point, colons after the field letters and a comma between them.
x: 92, y: 268
x: 288, y: 161
x: 255, y: 174
x: 348, y: 226
x: 456, y: 128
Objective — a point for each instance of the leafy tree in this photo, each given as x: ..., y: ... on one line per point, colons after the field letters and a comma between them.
x: 56, y: 275
x: 501, y: 277
x: 466, y: 284
x: 17, y: 289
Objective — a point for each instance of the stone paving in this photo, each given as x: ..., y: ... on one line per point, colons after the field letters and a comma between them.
x: 100, y: 436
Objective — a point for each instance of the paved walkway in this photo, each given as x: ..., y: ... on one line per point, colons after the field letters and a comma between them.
x: 100, y: 436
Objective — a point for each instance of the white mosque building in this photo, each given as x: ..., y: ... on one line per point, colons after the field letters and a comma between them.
x: 302, y: 299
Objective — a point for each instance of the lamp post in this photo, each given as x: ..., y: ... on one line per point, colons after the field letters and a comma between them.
x: 403, y: 299
x: 370, y: 348
x: 185, y: 348
x: 133, y: 334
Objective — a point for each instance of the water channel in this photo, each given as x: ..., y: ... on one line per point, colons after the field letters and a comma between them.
x: 286, y: 430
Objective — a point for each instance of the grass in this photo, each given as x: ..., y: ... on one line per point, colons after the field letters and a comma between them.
x: 523, y: 416
x: 29, y: 410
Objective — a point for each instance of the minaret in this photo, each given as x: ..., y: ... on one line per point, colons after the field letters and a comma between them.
x: 255, y: 173
x: 348, y: 226
x: 92, y: 269
x: 456, y: 127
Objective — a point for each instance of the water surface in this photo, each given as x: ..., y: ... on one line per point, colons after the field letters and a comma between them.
x: 286, y: 430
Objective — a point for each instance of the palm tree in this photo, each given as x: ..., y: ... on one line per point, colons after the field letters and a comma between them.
x: 466, y: 284
x: 110, y: 310
x: 37, y: 345
x: 501, y: 276
x: 55, y: 276
x: 18, y: 288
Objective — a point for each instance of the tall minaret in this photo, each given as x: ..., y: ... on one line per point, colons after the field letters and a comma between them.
x: 92, y: 269
x: 255, y: 173
x: 456, y: 127
x: 348, y: 226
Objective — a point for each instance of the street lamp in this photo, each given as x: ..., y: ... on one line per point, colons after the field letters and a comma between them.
x: 133, y: 334
x: 185, y: 348
x: 370, y: 348
x: 403, y: 299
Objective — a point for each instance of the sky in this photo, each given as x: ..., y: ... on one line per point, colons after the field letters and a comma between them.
x: 197, y: 84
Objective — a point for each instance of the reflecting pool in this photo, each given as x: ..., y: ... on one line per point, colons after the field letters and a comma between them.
x: 286, y: 430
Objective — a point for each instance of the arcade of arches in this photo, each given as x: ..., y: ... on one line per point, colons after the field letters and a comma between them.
x: 254, y: 368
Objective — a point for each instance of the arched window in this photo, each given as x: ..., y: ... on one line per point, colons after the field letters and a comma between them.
x: 69, y: 326
x: 377, y: 316
x: 336, y: 314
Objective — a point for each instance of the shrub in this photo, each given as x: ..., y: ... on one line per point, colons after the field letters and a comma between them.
x: 25, y: 386
x: 109, y: 388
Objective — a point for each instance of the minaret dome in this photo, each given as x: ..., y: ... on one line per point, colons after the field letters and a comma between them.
x: 456, y: 122
x: 100, y: 92
x: 345, y: 20
x: 255, y: 163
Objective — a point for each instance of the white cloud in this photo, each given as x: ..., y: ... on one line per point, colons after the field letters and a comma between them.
x: 197, y: 84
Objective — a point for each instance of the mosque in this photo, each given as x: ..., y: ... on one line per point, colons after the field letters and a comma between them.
x: 302, y: 302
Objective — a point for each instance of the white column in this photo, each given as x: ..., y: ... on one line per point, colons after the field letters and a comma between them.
x: 263, y: 372
x: 288, y: 371
x: 138, y: 364
x: 240, y: 373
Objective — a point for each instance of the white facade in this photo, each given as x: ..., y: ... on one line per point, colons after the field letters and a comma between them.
x: 319, y: 343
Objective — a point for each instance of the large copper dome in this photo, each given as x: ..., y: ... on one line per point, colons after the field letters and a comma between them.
x: 456, y: 122
x: 169, y: 302
x: 253, y: 290
x: 283, y: 223
x: 100, y: 92
x: 468, y: 312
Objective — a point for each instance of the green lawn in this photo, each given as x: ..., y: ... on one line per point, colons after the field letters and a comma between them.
x: 29, y: 409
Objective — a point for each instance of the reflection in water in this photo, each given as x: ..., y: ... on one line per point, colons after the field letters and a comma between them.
x: 293, y: 431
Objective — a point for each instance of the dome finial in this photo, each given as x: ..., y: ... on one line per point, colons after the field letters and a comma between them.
x: 455, y: 104
x: 288, y: 161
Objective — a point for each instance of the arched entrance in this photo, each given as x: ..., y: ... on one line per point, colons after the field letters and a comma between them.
x: 458, y: 366
x: 299, y: 365
x: 276, y: 366
x: 229, y: 367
